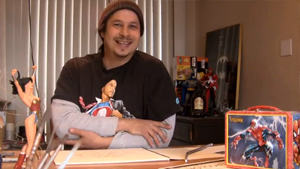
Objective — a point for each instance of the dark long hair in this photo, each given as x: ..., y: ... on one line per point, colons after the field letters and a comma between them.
x: 22, y: 82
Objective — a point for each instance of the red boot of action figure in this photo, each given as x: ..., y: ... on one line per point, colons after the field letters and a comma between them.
x: 20, y: 161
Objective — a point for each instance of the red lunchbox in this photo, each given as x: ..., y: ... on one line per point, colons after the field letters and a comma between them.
x: 262, y: 136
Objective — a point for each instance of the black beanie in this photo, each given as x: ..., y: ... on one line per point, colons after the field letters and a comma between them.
x: 118, y: 5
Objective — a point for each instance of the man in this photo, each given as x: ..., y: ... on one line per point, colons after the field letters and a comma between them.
x: 144, y: 85
x: 107, y: 106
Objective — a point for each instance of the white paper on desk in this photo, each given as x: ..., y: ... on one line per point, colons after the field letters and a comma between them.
x: 109, y: 156
x: 179, y: 153
x: 215, y: 164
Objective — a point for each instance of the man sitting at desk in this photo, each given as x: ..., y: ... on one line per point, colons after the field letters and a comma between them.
x: 144, y: 85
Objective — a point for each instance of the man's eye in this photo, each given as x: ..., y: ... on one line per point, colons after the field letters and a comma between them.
x: 133, y: 26
x: 117, y: 25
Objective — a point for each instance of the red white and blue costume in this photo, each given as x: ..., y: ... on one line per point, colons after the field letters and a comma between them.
x: 104, y: 109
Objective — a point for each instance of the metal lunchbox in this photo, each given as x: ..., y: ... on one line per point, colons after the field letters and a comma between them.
x: 262, y: 137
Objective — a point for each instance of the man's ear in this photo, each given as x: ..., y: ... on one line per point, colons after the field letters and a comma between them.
x: 102, y: 89
x: 101, y: 35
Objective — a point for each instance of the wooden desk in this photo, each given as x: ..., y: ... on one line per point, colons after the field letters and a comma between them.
x: 144, y: 165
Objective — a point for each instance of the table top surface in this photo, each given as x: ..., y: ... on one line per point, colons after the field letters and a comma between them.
x: 132, y: 165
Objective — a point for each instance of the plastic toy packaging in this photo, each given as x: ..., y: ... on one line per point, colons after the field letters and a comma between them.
x: 262, y: 137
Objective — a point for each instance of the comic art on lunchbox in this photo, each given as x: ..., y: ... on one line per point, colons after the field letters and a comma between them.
x: 262, y: 139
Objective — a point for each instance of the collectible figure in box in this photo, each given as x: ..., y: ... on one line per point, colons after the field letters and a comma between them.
x: 189, y: 70
x: 262, y: 138
x: 188, y: 65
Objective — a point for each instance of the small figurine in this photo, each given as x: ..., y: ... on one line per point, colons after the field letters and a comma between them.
x: 24, y: 88
x: 210, y: 83
x: 106, y: 106
x: 188, y: 88
x: 261, y: 134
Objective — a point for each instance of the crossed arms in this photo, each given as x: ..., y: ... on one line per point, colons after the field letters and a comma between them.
x: 109, y: 132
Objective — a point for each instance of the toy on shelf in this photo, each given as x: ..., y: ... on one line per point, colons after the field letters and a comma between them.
x: 198, y: 101
x: 187, y: 66
x: 209, y: 80
x: 190, y: 69
x: 188, y: 88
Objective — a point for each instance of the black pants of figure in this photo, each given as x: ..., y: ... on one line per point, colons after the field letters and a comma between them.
x: 212, y: 102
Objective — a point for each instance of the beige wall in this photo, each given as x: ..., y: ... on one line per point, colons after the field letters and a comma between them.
x: 2, y: 52
x: 266, y: 77
x: 179, y: 27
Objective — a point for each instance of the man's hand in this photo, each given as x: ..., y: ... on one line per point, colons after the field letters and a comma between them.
x: 150, y: 130
x: 89, y: 139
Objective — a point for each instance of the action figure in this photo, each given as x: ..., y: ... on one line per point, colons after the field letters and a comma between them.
x: 261, y: 134
x: 24, y: 88
x: 106, y: 106
x: 210, y: 84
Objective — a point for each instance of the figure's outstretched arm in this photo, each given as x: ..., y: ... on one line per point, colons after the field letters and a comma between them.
x: 276, y: 135
x: 33, y: 73
x: 240, y: 137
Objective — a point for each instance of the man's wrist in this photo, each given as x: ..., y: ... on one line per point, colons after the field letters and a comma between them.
x: 104, y: 142
x: 122, y: 125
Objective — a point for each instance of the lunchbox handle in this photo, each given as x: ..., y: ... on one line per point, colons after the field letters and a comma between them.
x: 263, y: 107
